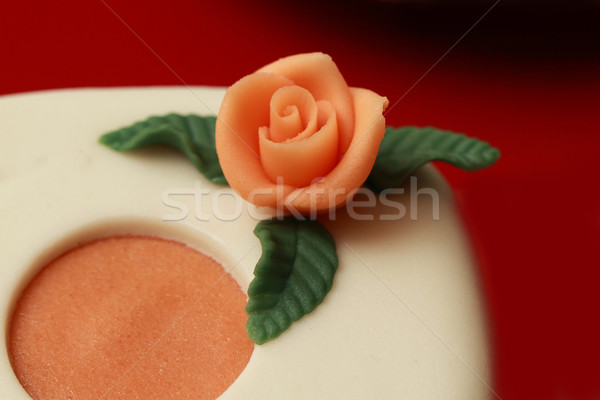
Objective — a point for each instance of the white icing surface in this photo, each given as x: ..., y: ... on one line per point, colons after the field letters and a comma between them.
x: 404, y: 320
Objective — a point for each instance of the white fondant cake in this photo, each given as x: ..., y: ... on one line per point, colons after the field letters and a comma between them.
x: 404, y: 319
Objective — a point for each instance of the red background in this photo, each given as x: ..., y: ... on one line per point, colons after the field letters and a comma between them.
x: 525, y: 79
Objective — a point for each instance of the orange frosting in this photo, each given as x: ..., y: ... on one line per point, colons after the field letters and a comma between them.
x: 129, y: 318
x: 294, y: 132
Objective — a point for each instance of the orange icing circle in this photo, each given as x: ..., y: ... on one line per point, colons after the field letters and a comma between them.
x: 130, y: 317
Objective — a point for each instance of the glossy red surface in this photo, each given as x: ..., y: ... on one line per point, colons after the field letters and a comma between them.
x: 525, y: 79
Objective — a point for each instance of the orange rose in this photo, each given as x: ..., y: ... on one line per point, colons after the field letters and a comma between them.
x: 294, y: 131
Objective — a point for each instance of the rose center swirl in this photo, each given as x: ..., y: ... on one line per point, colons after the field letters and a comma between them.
x: 301, y: 142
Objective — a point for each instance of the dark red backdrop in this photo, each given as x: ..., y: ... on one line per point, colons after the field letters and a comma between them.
x: 525, y: 78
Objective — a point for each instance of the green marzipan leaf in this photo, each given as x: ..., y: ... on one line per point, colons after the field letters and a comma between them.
x: 292, y: 277
x: 192, y: 135
x: 405, y: 149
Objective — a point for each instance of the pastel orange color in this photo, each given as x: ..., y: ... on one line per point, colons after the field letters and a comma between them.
x: 294, y: 136
x: 121, y: 318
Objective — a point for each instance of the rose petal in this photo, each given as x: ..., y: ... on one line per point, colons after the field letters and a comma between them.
x: 244, y: 110
x: 287, y: 124
x: 355, y: 166
x: 298, y: 163
x: 293, y: 114
x: 317, y: 73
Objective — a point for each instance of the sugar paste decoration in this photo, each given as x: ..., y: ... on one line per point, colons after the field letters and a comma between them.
x: 298, y: 116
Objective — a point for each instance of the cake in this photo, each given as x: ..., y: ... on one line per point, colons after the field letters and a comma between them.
x: 405, y: 316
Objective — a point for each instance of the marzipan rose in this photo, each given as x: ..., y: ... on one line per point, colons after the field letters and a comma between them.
x: 294, y: 132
